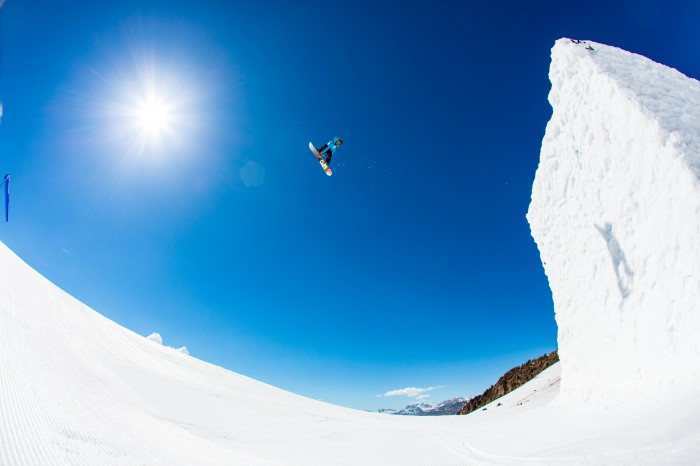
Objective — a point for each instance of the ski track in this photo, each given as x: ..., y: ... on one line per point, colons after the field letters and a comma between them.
x: 66, y: 396
x: 41, y: 420
x: 83, y: 434
x: 478, y: 456
x: 21, y: 412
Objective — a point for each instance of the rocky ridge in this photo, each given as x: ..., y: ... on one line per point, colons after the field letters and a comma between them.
x: 511, y: 380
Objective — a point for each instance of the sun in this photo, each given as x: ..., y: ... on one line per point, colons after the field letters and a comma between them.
x: 153, y: 116
x: 151, y: 113
x: 153, y: 119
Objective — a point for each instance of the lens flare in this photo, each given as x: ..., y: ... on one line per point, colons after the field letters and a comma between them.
x: 144, y: 104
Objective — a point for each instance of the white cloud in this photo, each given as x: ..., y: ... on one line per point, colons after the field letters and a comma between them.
x: 422, y: 397
x: 156, y: 338
x: 410, y: 391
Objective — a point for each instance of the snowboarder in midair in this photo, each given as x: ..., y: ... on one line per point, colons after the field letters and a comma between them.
x: 329, y: 148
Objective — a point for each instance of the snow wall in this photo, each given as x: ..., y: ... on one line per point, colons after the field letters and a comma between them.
x: 615, y: 213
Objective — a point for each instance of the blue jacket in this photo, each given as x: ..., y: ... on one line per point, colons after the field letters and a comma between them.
x: 330, y: 146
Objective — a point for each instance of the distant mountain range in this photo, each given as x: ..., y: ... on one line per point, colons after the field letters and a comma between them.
x: 511, y: 380
x: 446, y: 407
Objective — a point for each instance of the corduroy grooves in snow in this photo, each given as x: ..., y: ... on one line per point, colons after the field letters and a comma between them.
x: 615, y: 215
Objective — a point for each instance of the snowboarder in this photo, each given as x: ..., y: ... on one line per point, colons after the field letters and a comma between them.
x: 329, y: 148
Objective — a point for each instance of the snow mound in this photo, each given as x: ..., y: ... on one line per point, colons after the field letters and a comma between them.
x: 615, y: 213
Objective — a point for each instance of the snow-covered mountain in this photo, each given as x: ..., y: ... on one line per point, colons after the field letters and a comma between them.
x: 615, y: 213
x: 416, y: 409
x: 443, y: 408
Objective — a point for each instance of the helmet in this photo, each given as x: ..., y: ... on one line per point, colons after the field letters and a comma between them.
x: 339, y: 141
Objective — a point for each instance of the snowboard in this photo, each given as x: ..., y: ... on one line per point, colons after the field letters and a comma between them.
x: 320, y: 160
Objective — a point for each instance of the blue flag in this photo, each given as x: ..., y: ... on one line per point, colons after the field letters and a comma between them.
x: 7, y: 197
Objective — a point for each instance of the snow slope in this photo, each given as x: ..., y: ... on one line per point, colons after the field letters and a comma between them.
x: 615, y: 213
x: 76, y: 388
x: 538, y: 392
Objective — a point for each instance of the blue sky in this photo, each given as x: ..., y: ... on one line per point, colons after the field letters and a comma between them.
x: 412, y: 266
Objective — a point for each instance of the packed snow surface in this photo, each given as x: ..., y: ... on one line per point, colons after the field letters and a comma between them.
x: 615, y: 213
x: 76, y: 388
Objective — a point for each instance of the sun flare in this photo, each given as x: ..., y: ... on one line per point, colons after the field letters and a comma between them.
x: 152, y: 116
x: 151, y: 112
x: 154, y: 121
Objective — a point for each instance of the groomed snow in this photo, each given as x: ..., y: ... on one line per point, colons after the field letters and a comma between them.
x: 76, y: 388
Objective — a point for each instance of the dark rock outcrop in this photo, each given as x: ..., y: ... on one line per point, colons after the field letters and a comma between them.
x: 511, y: 380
